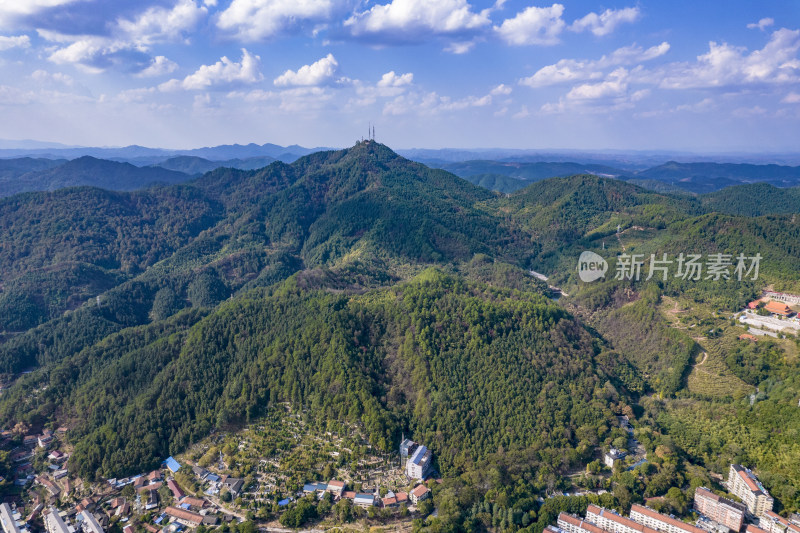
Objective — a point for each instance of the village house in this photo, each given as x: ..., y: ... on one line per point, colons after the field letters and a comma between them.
x: 49, y: 485
x: 364, y: 500
x: 152, y: 500
x: 191, y: 501
x: 389, y: 501
x: 336, y: 487
x: 176, y: 490
x: 419, y: 493
x: 184, y: 517
x: 612, y: 456
x: 233, y: 484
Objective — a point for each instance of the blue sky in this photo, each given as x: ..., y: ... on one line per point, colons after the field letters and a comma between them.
x: 703, y: 76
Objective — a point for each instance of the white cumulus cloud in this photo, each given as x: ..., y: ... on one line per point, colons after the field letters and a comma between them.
x: 568, y: 70
x: 726, y: 65
x: 615, y: 85
x: 390, y: 79
x: 606, y: 22
x: 319, y: 73
x: 404, y: 21
x: 791, y: 98
x: 762, y: 24
x: 501, y: 90
x: 533, y: 25
x: 222, y: 73
x: 158, y: 67
x: 14, y: 41
x: 13, y: 10
x: 255, y: 20
x: 159, y: 23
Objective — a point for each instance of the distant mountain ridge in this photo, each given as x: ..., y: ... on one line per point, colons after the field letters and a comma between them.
x: 90, y: 171
x: 144, y: 155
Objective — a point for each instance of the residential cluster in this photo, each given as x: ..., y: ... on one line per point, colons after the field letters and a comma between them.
x: 94, y: 514
x: 338, y: 489
x: 717, y: 514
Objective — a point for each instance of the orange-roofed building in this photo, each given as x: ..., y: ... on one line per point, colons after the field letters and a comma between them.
x: 779, y: 308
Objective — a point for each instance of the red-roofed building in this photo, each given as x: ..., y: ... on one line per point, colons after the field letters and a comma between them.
x: 573, y: 524
x: 419, y: 493
x: 611, y: 521
x: 389, y: 502
x: 152, y: 486
x: 661, y: 522
x: 176, y: 490
x: 753, y: 529
x: 349, y: 494
x: 772, y: 522
x: 116, y: 502
x: 748, y: 337
x: 753, y: 304
x: 402, y: 497
x: 336, y: 486
x: 779, y: 308
x: 721, y: 510
x: 194, y: 502
x: 185, y: 517
x: 745, y: 486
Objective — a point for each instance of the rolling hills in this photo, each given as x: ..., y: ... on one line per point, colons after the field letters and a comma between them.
x: 363, y: 287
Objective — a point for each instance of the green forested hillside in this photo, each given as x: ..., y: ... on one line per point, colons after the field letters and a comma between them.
x: 515, y: 372
x: 362, y: 287
x: 753, y: 200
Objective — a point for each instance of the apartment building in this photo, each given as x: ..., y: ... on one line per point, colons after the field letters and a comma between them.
x: 614, y: 523
x: 661, y: 522
x: 772, y: 522
x: 721, y: 510
x: 7, y: 519
x: 745, y: 485
x: 572, y: 524
x: 53, y: 522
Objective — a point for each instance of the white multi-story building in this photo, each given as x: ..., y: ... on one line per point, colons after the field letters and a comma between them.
x: 54, y: 523
x: 572, y: 524
x: 745, y: 485
x: 661, y: 522
x: 418, y: 465
x: 721, y: 510
x: 7, y: 519
x: 614, y: 523
x: 90, y: 523
x: 772, y: 522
